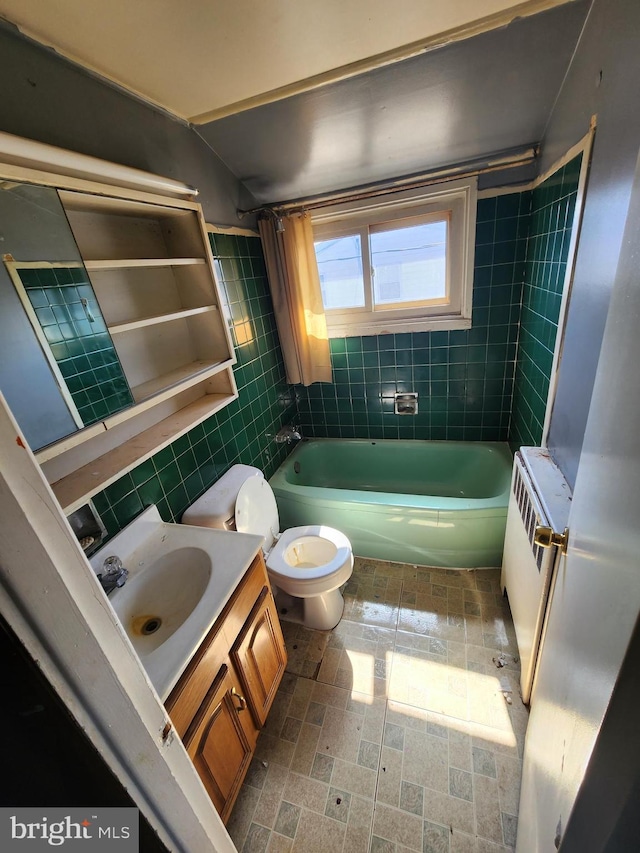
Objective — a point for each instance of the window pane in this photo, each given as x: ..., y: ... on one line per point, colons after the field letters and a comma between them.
x: 409, y: 264
x: 340, y: 269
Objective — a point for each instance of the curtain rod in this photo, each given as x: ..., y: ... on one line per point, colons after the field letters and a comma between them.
x: 521, y: 157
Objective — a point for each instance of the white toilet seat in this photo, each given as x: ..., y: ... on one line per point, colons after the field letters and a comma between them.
x: 310, y: 580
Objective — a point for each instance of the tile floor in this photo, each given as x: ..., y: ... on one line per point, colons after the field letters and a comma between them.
x: 397, y: 731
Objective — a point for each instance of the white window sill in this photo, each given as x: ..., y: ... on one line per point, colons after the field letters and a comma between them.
x: 425, y: 324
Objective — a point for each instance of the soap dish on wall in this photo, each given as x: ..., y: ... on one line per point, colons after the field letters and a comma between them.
x: 88, y: 527
x: 406, y: 404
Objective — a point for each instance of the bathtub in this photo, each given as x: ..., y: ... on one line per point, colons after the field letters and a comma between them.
x: 430, y: 503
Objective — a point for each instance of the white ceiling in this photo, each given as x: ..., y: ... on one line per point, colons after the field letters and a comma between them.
x: 204, y: 59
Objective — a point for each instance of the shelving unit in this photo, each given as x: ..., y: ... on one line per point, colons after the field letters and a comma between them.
x: 153, y: 276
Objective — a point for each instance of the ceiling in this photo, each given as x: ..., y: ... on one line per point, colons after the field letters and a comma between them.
x: 299, y: 97
x: 462, y: 102
x: 207, y: 58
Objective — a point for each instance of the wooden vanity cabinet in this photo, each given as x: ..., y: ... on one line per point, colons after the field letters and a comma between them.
x: 218, y: 742
x: 222, y: 700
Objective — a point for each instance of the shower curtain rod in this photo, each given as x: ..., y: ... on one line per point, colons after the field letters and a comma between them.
x: 520, y: 157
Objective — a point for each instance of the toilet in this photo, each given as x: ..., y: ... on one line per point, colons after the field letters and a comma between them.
x: 306, y: 565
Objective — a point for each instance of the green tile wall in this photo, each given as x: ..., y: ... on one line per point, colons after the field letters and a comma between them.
x: 82, y: 348
x: 552, y: 209
x: 464, y: 379
x: 242, y: 432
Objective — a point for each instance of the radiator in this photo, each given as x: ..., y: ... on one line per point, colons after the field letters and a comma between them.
x: 540, y: 496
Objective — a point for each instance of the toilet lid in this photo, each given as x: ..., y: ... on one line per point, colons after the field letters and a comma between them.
x: 257, y: 511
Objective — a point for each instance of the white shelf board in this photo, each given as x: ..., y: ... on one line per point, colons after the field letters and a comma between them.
x: 131, y: 263
x: 75, y: 489
x: 131, y: 325
x: 186, y: 374
x: 70, y: 441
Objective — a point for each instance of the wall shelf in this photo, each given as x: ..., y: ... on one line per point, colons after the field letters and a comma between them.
x: 132, y: 263
x: 181, y: 376
x: 75, y: 489
x: 120, y: 328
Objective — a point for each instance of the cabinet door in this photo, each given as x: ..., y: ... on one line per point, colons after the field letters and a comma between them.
x: 217, y: 741
x: 259, y: 655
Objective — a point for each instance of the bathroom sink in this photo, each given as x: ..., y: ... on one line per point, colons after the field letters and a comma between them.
x: 154, y: 603
x: 180, y: 578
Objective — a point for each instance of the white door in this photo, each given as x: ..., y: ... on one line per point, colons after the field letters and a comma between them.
x: 596, y: 597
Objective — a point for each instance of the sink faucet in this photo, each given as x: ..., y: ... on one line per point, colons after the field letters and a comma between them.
x: 113, y: 574
x: 287, y: 434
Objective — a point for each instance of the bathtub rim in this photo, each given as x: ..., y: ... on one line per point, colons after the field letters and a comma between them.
x: 441, y: 505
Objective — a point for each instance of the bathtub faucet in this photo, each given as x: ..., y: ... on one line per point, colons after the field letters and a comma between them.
x: 288, y: 434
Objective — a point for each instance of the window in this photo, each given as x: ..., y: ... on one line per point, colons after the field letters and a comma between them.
x: 398, y: 265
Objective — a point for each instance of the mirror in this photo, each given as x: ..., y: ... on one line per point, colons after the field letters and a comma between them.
x: 58, y: 367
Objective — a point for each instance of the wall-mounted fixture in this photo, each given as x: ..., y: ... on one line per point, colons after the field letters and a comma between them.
x: 406, y: 404
x: 288, y: 434
x: 88, y: 527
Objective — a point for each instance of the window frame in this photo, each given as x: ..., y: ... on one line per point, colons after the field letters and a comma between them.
x: 454, y: 201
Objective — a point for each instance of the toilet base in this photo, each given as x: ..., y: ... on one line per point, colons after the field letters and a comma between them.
x: 320, y: 612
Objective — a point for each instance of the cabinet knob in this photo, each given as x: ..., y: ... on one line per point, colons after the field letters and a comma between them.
x: 241, y: 699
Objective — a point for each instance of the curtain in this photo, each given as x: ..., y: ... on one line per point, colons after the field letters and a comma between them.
x: 297, y: 300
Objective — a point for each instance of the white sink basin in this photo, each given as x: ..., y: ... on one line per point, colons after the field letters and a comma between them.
x: 180, y: 578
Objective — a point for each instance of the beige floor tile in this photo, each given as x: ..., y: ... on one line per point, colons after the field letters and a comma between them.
x: 329, y: 666
x: 242, y: 815
x: 256, y: 840
x: 389, y: 777
x: 374, y: 716
x: 398, y: 826
x: 273, y: 749
x: 318, y: 834
x: 341, y: 734
x: 485, y: 846
x: 354, y: 778
x: 309, y: 793
x: 435, y: 838
x: 488, y: 816
x: 460, y: 842
x: 269, y: 803
x: 380, y: 610
x: 449, y: 811
x: 327, y: 694
x: 306, y: 749
x: 279, y: 844
x: 300, y: 699
x: 426, y: 761
x: 509, y: 773
x: 460, y: 750
x: 358, y: 826
x: 407, y: 715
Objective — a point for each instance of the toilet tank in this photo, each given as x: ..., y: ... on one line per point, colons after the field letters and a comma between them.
x: 217, y: 506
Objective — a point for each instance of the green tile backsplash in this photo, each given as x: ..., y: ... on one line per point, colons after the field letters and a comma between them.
x: 243, y: 431
x: 552, y: 209
x: 464, y: 379
x: 78, y: 339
